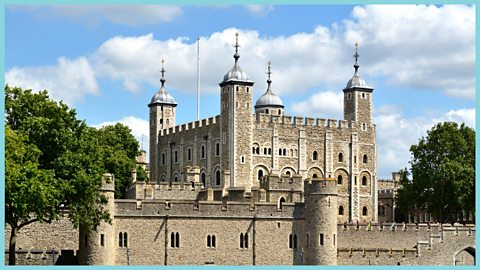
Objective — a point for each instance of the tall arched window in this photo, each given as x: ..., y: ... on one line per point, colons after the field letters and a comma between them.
x: 217, y: 178
x: 176, y: 156
x: 163, y: 158
x: 260, y: 174
x: 177, y: 238
x: 203, y: 151
x: 265, y: 151
x: 284, y: 151
x: 340, y: 157
x: 125, y: 239
x: 364, y: 211
x: 339, y: 180
x: 315, y: 155
x: 340, y: 210
x: 204, y: 182
x: 241, y: 240
x: 364, y: 181
x: 280, y: 151
x: 217, y: 149
x: 120, y: 239
x: 295, y: 241
x: 257, y: 150
x: 365, y: 159
x: 189, y: 154
x: 280, y: 202
x: 269, y: 151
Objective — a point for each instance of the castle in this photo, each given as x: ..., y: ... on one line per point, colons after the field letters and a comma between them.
x: 253, y: 186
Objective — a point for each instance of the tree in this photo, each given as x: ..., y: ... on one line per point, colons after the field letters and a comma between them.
x: 53, y: 162
x: 443, y: 173
x: 120, y: 149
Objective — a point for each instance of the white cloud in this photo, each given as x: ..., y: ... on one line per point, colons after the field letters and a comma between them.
x: 417, y: 46
x: 323, y: 104
x: 139, y: 127
x: 68, y: 80
x: 260, y: 10
x: 395, y: 135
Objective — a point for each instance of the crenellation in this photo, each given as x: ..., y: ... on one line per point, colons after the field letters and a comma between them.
x: 321, y: 122
x: 332, y: 123
x: 298, y: 120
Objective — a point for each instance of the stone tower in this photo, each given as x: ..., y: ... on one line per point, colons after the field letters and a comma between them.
x: 321, y: 222
x: 98, y: 247
x: 236, y: 126
x: 162, y: 116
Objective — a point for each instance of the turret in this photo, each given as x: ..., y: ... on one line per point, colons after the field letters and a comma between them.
x: 162, y: 116
x: 269, y: 103
x: 321, y: 221
x: 98, y: 247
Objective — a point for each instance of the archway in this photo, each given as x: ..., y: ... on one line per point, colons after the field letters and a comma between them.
x: 464, y: 256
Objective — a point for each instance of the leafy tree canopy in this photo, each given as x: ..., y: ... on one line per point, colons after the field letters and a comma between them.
x: 443, y: 173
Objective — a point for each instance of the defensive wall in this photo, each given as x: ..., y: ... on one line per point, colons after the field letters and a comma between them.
x: 149, y: 225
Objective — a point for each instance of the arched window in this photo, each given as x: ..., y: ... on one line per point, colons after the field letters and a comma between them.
x: 203, y: 179
x: 172, y: 240
x: 237, y: 88
x: 217, y: 149
x: 315, y: 176
x: 280, y: 202
x: 266, y: 111
x: 280, y: 151
x: 203, y: 151
x: 291, y: 152
x: 269, y: 151
x: 257, y: 150
x: 340, y: 157
x: 288, y: 173
x: 339, y: 180
x: 364, y: 211
x: 364, y: 181
x: 253, y: 150
x: 363, y: 95
x: 315, y: 155
x: 295, y: 241
x: 175, y: 179
x: 125, y: 239
x: 120, y: 239
x: 217, y: 178
x: 265, y: 151
x: 209, y: 241
x: 163, y: 158
x: 260, y: 174
x: 290, y: 241
x: 176, y: 156
x: 241, y: 240
x: 177, y: 238
x: 365, y: 159
x: 214, y: 244
x: 189, y: 154
x: 284, y: 151
x: 246, y: 240
x: 340, y: 210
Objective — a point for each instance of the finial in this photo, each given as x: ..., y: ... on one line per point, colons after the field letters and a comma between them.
x: 162, y: 80
x: 356, y: 55
x: 236, y: 55
x: 269, y: 81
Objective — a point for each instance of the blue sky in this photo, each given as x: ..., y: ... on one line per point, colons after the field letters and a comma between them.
x: 104, y: 61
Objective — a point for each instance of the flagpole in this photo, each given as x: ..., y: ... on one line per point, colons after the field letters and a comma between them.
x: 198, y: 78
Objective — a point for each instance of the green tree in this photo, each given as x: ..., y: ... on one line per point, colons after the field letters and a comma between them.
x: 120, y: 149
x: 53, y: 162
x: 142, y: 174
x: 443, y: 173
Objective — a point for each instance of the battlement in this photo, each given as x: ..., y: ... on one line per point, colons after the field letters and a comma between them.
x: 413, y: 227
x: 385, y: 193
x: 326, y: 186
x: 194, y: 208
x: 211, y: 121
x: 304, y: 121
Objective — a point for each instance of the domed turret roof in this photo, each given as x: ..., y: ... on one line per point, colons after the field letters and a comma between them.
x: 269, y: 99
x: 162, y: 96
x: 236, y: 73
x: 356, y: 81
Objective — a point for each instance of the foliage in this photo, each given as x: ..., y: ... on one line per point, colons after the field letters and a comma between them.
x: 443, y: 173
x: 141, y: 174
x: 120, y: 149
x: 53, y: 161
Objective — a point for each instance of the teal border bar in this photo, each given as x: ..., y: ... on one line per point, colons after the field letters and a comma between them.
x: 203, y: 2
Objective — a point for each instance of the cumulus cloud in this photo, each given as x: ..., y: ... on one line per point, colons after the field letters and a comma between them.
x: 396, y: 133
x: 139, y: 127
x: 324, y: 104
x: 417, y: 46
x: 69, y: 80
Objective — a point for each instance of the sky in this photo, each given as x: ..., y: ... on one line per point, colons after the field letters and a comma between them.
x: 104, y: 61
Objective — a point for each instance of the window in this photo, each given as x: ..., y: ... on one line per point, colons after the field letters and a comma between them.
x: 244, y: 240
x: 365, y: 159
x: 211, y: 241
x: 248, y: 89
x: 217, y: 178
x: 315, y: 155
x: 203, y: 179
x: 176, y: 156
x: 203, y: 151
x: 260, y: 174
x: 161, y: 121
x: 340, y: 210
x: 279, y: 111
x: 284, y: 152
x: 355, y: 180
x: 257, y: 150
x: 175, y: 240
x: 237, y: 88
x: 242, y: 160
x: 354, y: 159
x: 266, y: 110
x: 364, y: 181
x: 292, y: 241
x: 334, y: 238
x: 315, y: 176
x: 291, y: 152
x: 340, y: 157
x: 175, y: 179
x: 321, y: 239
x: 269, y: 151
x: 253, y: 149
x: 217, y: 149
x: 339, y: 180
x: 189, y: 154
x: 122, y: 239
x: 163, y: 158
x: 287, y: 173
x: 363, y: 95
x: 86, y: 240
x: 364, y: 211
x: 280, y: 151
x: 264, y: 151
x: 102, y: 239
x: 307, y: 240
x: 280, y: 203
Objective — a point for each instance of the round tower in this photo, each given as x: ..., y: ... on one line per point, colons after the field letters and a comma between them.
x: 321, y: 222
x: 98, y: 247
